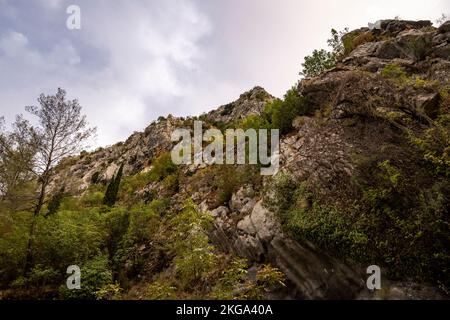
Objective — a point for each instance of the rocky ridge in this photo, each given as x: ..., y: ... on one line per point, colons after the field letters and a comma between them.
x: 354, y: 103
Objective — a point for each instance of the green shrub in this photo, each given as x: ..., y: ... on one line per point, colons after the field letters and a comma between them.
x: 322, y: 60
x: 161, y: 291
x: 189, y: 240
x: 232, y: 277
x: 283, y: 112
x: 95, y: 277
x: 394, y: 223
x: 394, y: 71
x: 162, y: 167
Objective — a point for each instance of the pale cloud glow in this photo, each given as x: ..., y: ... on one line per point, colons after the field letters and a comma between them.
x: 134, y: 60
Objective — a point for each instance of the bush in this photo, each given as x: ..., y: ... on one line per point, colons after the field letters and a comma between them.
x: 161, y: 291
x: 394, y: 71
x: 283, y: 112
x: 96, y: 277
x: 189, y: 241
x: 318, y: 62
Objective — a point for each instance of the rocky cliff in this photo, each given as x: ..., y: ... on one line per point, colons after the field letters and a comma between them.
x: 392, y: 84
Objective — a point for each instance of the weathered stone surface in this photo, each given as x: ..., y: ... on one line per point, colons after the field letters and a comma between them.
x: 315, y: 275
x: 445, y: 27
x: 392, y: 27
x: 415, y: 44
x: 251, y: 102
x: 240, y: 200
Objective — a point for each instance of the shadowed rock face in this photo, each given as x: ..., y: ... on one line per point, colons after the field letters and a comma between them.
x: 259, y: 237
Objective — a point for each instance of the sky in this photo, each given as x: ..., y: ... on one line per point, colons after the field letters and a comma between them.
x: 135, y: 60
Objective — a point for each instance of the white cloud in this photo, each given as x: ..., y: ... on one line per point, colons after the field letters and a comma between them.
x: 144, y: 46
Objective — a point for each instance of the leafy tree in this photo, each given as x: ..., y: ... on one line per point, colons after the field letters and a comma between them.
x: 318, y: 62
x: 17, y: 151
x: 62, y: 131
x: 321, y: 60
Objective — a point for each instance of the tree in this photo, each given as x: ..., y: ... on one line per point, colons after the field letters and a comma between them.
x: 113, y: 189
x: 322, y: 60
x: 62, y: 131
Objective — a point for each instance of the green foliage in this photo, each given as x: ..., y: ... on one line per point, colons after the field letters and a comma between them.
x: 110, y: 291
x: 351, y: 40
x: 270, y: 276
x: 134, y: 227
x: 318, y: 62
x: 163, y: 170
x: 161, y: 291
x: 68, y: 238
x: 162, y: 167
x: 96, y: 281
x: 434, y: 144
x: 394, y: 71
x: 232, y: 277
x: 194, y: 255
x: 13, y: 243
x: 227, y: 179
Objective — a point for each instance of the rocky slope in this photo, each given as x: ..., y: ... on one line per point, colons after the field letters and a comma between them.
x: 361, y: 111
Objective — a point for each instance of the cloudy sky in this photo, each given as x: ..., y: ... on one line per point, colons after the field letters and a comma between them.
x: 134, y: 60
